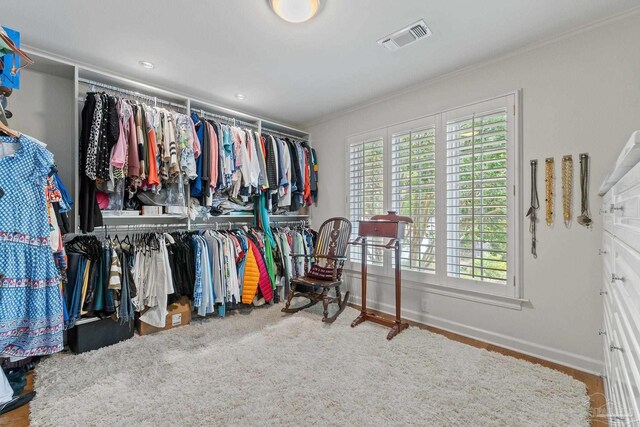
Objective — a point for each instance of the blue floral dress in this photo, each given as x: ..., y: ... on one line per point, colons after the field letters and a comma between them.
x: 31, y: 313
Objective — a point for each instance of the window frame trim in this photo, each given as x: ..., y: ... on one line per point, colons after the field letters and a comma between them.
x: 514, y: 289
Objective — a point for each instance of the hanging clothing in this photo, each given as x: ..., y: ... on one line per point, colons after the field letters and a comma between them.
x: 159, y: 285
x: 217, y: 270
x: 31, y: 321
x: 90, y: 215
x: 284, y: 193
x: 127, y: 144
x: 251, y: 277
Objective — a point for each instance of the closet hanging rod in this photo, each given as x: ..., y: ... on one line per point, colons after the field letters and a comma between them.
x: 132, y: 93
x: 217, y: 225
x: 302, y: 223
x: 105, y: 229
x: 286, y: 135
x: 226, y: 118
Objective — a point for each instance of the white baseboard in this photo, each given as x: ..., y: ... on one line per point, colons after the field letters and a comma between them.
x: 560, y: 357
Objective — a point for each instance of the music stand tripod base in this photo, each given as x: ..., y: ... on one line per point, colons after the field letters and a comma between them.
x: 396, y: 327
x: 391, y: 226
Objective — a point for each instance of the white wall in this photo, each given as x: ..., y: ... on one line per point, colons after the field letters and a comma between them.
x: 580, y: 94
x: 43, y: 109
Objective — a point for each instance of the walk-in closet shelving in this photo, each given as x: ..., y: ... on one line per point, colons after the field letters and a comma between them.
x: 81, y: 79
x: 281, y: 130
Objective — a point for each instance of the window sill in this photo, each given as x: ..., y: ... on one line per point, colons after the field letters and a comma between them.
x: 447, y: 291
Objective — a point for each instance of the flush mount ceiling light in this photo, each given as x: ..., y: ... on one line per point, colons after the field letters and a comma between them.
x: 146, y: 64
x: 295, y: 11
x: 240, y: 96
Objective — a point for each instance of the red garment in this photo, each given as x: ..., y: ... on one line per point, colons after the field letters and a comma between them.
x: 153, y: 178
x: 265, y: 282
x: 307, y: 173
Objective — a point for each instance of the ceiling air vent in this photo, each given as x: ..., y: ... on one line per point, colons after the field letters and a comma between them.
x: 405, y: 36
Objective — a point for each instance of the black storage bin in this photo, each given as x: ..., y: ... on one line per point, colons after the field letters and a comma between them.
x: 92, y: 334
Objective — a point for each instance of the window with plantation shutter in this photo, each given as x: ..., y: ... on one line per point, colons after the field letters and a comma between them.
x: 366, y: 189
x: 477, y: 193
x: 455, y: 174
x: 413, y: 192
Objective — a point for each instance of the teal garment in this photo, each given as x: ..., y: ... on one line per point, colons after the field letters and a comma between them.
x: 103, y: 282
x: 268, y: 258
x: 76, y: 298
x: 262, y: 216
x: 262, y: 222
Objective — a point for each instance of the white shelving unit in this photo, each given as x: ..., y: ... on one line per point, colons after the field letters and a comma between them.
x: 82, y: 76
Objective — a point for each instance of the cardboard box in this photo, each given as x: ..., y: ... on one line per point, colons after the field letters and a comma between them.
x: 179, y: 315
x: 151, y: 210
x: 176, y: 210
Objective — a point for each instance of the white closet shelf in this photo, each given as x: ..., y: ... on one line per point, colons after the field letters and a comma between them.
x: 82, y: 73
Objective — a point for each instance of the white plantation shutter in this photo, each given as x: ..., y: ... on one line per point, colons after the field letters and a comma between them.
x: 413, y: 191
x: 455, y: 174
x: 366, y: 189
x: 477, y: 192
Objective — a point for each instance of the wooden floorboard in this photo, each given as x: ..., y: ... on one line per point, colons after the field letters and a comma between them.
x: 19, y: 417
x: 595, y: 386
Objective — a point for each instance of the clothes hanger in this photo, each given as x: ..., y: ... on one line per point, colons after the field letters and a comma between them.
x: 4, y: 126
x: 16, y: 50
x: 10, y: 132
x: 116, y: 240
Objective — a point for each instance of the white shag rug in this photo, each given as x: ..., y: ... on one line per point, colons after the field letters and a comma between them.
x: 269, y: 368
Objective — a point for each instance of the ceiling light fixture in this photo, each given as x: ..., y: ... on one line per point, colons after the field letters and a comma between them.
x: 240, y: 96
x: 295, y: 11
x: 146, y: 64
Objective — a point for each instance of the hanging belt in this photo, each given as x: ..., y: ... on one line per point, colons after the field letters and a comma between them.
x: 584, y: 218
x: 567, y: 188
x: 535, y: 205
x: 549, y: 183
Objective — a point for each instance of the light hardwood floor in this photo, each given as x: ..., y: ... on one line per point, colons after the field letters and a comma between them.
x: 595, y: 386
x: 19, y: 417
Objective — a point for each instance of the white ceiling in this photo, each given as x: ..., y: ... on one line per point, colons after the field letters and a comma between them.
x: 288, y: 72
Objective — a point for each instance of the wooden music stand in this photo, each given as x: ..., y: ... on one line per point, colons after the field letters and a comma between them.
x: 391, y: 226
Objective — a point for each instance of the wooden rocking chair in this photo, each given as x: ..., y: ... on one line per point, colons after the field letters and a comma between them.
x: 325, y: 274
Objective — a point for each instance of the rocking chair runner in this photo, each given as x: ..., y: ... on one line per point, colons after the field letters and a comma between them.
x: 326, y: 273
